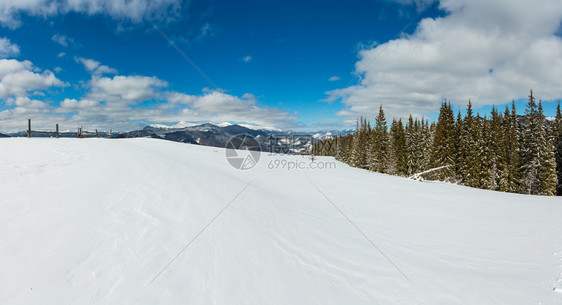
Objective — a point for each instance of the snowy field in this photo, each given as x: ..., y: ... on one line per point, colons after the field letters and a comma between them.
x: 93, y: 221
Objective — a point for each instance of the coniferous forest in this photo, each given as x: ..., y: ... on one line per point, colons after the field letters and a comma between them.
x: 502, y: 151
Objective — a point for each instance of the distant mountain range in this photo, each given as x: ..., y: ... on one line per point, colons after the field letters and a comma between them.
x: 212, y: 135
x: 208, y: 134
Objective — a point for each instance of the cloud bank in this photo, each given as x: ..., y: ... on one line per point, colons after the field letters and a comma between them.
x: 487, y: 51
x: 119, y: 102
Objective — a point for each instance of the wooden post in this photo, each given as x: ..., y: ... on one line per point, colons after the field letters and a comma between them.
x: 29, y: 128
x: 97, y: 136
x: 57, y: 131
x: 78, y: 133
x: 110, y: 134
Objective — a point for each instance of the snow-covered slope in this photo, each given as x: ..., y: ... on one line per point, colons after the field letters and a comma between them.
x: 94, y: 221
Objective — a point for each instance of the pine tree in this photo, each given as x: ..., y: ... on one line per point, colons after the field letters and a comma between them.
x: 468, y: 149
x: 427, y: 136
x: 531, y: 148
x: 493, y: 143
x: 415, y: 146
x: 363, y: 144
x: 538, y: 153
x: 358, y: 157
x: 355, y: 156
x: 548, y: 179
x: 511, y: 168
x: 339, y: 148
x: 557, y: 142
x: 482, y: 157
x: 459, y: 153
x: 398, y: 164
x: 347, y: 145
x: 379, y: 145
x: 443, y: 150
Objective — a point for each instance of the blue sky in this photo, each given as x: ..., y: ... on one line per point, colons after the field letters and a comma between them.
x: 274, y: 63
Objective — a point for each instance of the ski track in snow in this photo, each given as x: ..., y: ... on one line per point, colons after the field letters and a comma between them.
x: 93, y: 221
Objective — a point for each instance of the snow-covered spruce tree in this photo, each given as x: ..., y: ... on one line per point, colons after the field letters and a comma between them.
x: 459, y: 157
x: 482, y: 160
x: 366, y: 156
x: 379, y: 145
x: 557, y: 139
x: 414, y: 153
x: 511, y: 168
x: 494, y: 135
x: 518, y: 171
x: 475, y: 151
x: 548, y: 179
x: 408, y: 137
x: 443, y: 150
x: 338, y: 144
x: 346, y: 148
x: 538, y: 152
x: 355, y: 156
x: 359, y: 151
x: 530, y: 148
x: 391, y: 167
x: 427, y: 135
x: 398, y: 164
x: 342, y: 147
x: 467, y: 148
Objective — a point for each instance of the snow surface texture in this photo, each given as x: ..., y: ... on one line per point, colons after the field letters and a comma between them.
x: 93, y: 221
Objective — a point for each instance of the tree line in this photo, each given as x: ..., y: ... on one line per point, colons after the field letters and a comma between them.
x: 502, y: 151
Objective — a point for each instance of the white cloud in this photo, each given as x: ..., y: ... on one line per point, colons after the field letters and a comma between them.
x: 114, y: 113
x: 125, y: 10
x: 71, y: 105
x: 61, y: 54
x: 18, y: 81
x: 488, y: 51
x: 247, y: 58
x: 25, y: 102
x: 111, y: 105
x: 57, y: 69
x: 63, y: 40
x: 7, y: 48
x: 215, y: 106
x: 95, y: 67
x: 17, y: 78
x: 334, y: 78
x: 129, y: 89
x: 113, y: 102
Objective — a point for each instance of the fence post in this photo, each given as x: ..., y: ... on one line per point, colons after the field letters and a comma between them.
x: 29, y: 128
x: 57, y: 131
x: 97, y: 136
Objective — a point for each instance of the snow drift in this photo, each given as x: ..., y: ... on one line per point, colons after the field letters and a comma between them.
x: 94, y: 221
